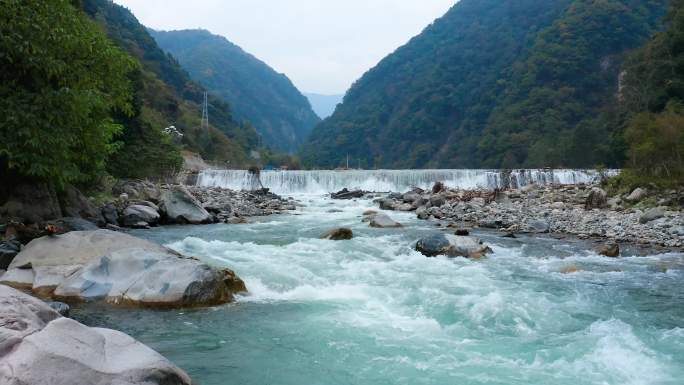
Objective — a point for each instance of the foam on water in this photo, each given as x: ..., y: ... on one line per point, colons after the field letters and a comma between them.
x: 325, y: 181
x: 373, y: 311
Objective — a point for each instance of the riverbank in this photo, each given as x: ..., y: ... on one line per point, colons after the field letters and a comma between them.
x: 585, y: 211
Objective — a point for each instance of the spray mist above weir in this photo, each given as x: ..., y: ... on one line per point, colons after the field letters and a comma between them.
x: 326, y: 181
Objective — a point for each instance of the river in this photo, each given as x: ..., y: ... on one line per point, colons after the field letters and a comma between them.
x: 373, y: 311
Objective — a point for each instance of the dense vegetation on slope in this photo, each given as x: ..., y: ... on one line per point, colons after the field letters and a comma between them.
x: 492, y: 84
x: 547, y: 115
x: 652, y: 106
x: 165, y: 96
x: 61, y: 80
x: 256, y: 92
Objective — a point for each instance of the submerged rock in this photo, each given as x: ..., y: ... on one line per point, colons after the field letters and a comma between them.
x: 117, y: 268
x: 346, y: 194
x: 340, y: 234
x: 462, y: 232
x: 611, y: 249
x: 452, y: 246
x: 60, y: 307
x: 39, y: 347
x: 383, y: 221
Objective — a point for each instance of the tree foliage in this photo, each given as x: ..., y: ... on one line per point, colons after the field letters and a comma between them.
x: 652, y: 104
x: 60, y: 81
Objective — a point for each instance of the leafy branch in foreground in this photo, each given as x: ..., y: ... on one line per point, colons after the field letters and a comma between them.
x: 60, y: 81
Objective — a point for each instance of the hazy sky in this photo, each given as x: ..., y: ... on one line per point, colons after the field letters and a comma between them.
x: 322, y: 45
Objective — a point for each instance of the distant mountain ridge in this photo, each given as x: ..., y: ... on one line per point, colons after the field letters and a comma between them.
x: 493, y: 83
x: 323, y: 105
x: 257, y: 93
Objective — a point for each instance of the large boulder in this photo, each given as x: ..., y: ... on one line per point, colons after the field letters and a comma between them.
x: 637, y: 195
x: 422, y: 213
x: 383, y: 221
x: 31, y: 203
x: 39, y: 347
x: 135, y: 214
x: 437, y: 200
x: 119, y: 269
x: 341, y: 234
x: 110, y: 213
x: 452, y: 246
x: 597, y: 199
x: 181, y: 207
x: 652, y: 214
x: 137, y: 189
x: 76, y: 205
x: 388, y: 204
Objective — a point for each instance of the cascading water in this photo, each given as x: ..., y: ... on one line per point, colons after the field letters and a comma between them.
x: 325, y: 181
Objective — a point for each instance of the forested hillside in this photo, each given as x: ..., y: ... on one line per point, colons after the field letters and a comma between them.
x: 257, y: 93
x: 494, y: 84
x: 165, y: 96
x: 651, y: 106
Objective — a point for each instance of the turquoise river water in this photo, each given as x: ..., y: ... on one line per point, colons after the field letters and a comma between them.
x: 373, y: 311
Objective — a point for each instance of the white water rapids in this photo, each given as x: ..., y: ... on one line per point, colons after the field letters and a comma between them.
x: 325, y: 181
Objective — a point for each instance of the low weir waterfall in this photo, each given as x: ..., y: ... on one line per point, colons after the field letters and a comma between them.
x: 325, y: 181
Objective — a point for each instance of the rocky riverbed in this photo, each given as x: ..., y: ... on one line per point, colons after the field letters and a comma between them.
x: 190, y: 204
x: 585, y: 211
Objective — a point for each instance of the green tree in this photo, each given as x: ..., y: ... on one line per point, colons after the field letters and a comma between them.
x: 652, y: 103
x: 60, y: 81
x: 656, y: 145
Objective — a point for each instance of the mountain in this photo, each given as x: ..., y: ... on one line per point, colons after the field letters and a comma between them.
x: 493, y: 83
x: 651, y: 108
x: 165, y: 96
x: 324, y: 105
x: 257, y: 93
